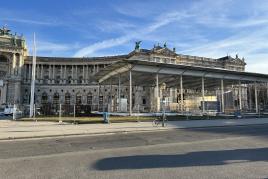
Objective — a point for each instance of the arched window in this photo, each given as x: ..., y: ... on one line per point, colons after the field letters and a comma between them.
x: 44, y: 98
x: 78, y: 98
x: 67, y: 98
x: 56, y: 98
x: 89, y: 98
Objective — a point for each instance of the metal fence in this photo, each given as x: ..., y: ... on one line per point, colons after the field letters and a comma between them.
x: 69, y: 110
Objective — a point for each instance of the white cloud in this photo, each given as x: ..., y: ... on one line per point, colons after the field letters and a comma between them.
x: 245, y: 43
x: 161, y: 21
x: 206, y: 28
x: 86, y: 51
x: 115, y: 26
x: 51, y: 48
x: 29, y: 21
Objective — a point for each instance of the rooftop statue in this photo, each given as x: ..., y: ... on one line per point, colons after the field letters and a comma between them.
x: 4, y: 31
x: 137, y: 46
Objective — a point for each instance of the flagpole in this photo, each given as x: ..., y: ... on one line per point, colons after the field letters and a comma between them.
x: 33, y: 78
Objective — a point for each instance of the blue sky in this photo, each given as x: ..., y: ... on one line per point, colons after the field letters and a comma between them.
x: 104, y: 27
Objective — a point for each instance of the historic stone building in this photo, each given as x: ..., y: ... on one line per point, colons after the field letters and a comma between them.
x: 71, y: 80
x: 12, y: 55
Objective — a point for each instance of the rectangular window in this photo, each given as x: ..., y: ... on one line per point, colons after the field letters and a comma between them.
x: 158, y: 60
x: 143, y: 101
x: 89, y: 99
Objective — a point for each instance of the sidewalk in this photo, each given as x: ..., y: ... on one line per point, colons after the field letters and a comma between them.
x: 20, y: 129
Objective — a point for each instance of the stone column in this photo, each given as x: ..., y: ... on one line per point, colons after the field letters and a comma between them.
x: 4, y: 93
x: 83, y: 81
x: 42, y: 72
x: 37, y: 72
x: 61, y: 71
x: 87, y: 73
x: 53, y: 74
x: 17, y: 95
x: 83, y: 71
x: 76, y: 73
x: 72, y: 73
x: 157, y: 86
x: 21, y: 64
x: 49, y: 72
x: 13, y: 64
x: 65, y: 72
x: 25, y: 67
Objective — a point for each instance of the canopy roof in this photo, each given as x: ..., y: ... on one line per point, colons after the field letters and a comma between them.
x: 143, y: 73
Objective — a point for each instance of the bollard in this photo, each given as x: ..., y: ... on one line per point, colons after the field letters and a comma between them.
x: 34, y: 108
x: 138, y: 116
x: 106, y: 117
x: 60, y: 121
x: 74, y: 114
x: 14, y: 112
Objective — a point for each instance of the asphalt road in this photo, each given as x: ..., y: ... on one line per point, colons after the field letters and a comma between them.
x: 222, y: 152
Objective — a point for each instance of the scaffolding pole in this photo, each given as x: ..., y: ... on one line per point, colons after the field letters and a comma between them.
x: 203, y: 95
x: 240, y: 96
x: 130, y: 93
x: 119, y: 93
x: 181, y: 93
x: 256, y: 97
x: 222, y: 96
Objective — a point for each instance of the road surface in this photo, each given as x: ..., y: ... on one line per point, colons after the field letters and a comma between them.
x: 219, y: 152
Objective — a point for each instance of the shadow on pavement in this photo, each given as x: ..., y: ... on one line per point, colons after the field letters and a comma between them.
x: 250, y: 130
x: 203, y: 158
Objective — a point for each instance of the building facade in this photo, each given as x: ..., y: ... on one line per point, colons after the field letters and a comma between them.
x: 71, y: 80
